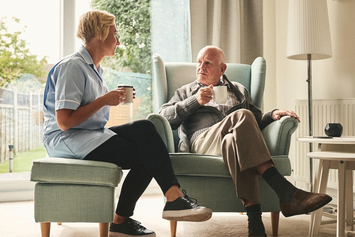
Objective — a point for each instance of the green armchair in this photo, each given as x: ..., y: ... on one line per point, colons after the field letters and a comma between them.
x: 206, y: 177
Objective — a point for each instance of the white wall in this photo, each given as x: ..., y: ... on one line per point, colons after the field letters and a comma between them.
x: 286, y: 78
x: 333, y: 78
x: 269, y: 31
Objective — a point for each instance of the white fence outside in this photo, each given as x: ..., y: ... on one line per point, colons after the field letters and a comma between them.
x: 21, y: 121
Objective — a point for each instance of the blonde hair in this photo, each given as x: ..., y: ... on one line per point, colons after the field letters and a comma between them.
x: 94, y: 24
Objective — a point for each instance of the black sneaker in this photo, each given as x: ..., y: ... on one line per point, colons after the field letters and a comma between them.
x: 129, y: 228
x: 186, y: 209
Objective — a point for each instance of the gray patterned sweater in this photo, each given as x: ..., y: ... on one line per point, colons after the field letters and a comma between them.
x: 183, y: 109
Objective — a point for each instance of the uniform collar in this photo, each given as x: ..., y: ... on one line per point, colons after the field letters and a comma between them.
x: 87, y: 58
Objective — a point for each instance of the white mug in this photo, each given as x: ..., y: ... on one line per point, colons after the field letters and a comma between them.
x: 129, y: 94
x: 220, y: 94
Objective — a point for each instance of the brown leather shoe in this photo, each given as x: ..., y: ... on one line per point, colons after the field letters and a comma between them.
x: 304, y: 202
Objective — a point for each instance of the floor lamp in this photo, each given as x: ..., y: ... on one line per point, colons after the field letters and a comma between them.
x: 308, y: 39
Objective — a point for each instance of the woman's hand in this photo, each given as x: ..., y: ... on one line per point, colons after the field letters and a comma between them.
x: 115, y: 97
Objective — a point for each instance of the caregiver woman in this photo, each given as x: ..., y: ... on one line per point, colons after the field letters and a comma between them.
x: 76, y: 110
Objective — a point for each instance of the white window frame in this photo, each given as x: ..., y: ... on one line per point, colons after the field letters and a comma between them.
x: 17, y: 186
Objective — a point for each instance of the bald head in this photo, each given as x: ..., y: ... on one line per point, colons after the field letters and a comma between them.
x: 210, y: 65
x: 213, y: 51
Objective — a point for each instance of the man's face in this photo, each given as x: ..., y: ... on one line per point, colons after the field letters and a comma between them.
x: 209, y: 67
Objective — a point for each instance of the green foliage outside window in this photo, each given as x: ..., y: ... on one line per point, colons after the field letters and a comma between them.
x: 134, y: 53
x: 133, y: 26
x: 15, y: 57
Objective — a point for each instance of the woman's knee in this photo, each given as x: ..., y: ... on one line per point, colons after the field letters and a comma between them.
x: 143, y: 126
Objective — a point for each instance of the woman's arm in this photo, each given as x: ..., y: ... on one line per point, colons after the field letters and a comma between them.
x: 68, y: 118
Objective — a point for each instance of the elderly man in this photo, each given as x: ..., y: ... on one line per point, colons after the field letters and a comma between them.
x: 233, y: 130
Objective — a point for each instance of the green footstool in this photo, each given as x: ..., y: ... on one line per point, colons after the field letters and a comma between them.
x: 73, y: 190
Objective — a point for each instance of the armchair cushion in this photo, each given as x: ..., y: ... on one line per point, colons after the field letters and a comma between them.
x: 193, y: 164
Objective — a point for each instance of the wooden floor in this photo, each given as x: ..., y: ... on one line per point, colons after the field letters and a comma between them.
x: 16, y: 220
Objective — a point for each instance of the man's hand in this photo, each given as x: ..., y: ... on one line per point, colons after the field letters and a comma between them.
x: 204, y: 95
x: 277, y: 114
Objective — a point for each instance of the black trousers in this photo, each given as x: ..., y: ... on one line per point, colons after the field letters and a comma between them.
x: 137, y: 147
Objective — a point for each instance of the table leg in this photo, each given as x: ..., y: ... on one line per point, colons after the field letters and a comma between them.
x: 316, y: 189
x: 341, y: 199
x: 349, y: 200
x: 323, y: 182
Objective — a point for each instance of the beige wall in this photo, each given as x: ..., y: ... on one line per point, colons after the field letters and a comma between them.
x: 269, y: 31
x: 286, y: 78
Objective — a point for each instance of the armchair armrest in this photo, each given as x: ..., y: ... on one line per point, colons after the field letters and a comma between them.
x: 163, y: 127
x: 277, y: 135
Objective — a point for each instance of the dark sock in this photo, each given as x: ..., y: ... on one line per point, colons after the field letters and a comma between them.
x: 255, y: 223
x: 283, y: 188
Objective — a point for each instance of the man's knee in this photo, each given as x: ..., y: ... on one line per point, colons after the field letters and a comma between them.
x: 228, y: 140
x: 243, y: 114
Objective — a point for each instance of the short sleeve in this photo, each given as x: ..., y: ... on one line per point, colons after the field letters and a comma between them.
x: 70, y: 85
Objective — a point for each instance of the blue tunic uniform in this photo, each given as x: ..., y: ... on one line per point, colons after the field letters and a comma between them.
x: 74, y: 82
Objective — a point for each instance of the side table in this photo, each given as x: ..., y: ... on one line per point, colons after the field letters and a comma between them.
x: 334, y: 153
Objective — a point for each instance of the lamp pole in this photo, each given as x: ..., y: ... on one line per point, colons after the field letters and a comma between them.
x: 308, y: 39
x: 310, y: 116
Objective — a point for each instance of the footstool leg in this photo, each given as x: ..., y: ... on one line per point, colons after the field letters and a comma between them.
x: 173, y: 226
x: 103, y: 229
x: 45, y: 229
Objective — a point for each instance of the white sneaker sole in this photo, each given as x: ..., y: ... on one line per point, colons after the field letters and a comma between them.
x: 197, y: 215
x: 116, y: 234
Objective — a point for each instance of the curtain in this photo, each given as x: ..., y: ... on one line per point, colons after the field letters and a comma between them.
x: 170, y: 30
x: 235, y: 26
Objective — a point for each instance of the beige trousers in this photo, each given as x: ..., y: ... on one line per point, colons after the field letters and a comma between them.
x: 240, y: 142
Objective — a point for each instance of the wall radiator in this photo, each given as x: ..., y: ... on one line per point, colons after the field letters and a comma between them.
x: 324, y: 111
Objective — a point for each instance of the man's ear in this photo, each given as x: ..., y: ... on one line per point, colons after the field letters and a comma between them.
x: 223, y: 68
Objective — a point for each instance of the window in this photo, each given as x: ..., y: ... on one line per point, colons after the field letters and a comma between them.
x: 145, y: 27
x: 21, y: 116
x: 132, y: 62
x: 21, y: 101
x: 171, y: 30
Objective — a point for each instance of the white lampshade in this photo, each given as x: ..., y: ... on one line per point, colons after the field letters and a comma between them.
x: 308, y: 30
